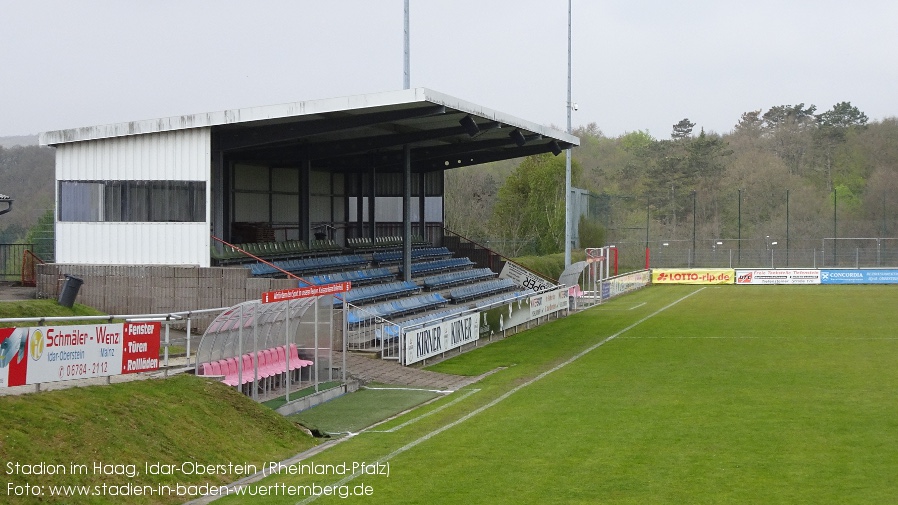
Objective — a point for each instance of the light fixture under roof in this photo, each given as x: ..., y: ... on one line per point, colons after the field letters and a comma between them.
x: 518, y: 137
x: 469, y: 125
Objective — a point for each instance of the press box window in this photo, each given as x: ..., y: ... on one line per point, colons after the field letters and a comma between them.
x: 132, y: 201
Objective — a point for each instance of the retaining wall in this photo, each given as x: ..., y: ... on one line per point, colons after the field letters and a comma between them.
x: 157, y: 289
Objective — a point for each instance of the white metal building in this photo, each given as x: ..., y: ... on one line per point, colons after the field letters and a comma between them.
x: 155, y: 192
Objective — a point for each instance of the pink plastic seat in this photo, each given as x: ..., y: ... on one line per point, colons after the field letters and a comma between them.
x: 269, y: 363
x: 230, y: 380
x: 282, y: 358
x: 276, y: 364
x: 266, y: 364
x: 248, y: 372
x: 232, y: 371
x: 295, y: 362
x: 294, y: 355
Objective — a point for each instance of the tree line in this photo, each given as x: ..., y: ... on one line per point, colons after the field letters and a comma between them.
x: 27, y: 175
x: 787, y: 170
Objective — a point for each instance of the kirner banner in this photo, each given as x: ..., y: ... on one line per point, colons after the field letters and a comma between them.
x: 432, y: 339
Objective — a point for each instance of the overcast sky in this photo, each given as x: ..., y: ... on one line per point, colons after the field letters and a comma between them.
x: 637, y: 65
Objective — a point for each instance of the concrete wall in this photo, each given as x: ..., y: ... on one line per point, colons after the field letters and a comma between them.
x: 127, y: 289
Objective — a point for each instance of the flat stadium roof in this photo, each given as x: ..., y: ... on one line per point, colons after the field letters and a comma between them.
x: 356, y: 132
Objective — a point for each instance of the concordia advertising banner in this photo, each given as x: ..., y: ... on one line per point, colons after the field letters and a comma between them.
x: 427, y: 341
x: 777, y: 276
x: 872, y: 276
x: 524, y: 278
x: 59, y: 353
x: 692, y: 275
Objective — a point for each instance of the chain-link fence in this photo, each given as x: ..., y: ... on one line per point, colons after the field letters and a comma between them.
x: 748, y: 227
x: 762, y: 253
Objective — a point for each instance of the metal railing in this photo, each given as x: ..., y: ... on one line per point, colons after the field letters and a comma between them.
x: 11, y: 256
x: 370, y: 335
x: 167, y: 320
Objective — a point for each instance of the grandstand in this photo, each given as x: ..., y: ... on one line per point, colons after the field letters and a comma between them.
x: 379, y: 307
x: 376, y: 295
x: 211, y: 210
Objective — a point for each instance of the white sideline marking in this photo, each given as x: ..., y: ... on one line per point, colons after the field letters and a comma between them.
x: 422, y: 416
x: 501, y: 398
x: 440, y: 391
x: 637, y: 306
x: 682, y: 337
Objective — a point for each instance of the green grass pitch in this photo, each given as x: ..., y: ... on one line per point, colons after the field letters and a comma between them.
x: 677, y: 394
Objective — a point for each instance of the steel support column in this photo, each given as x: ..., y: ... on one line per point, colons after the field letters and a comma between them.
x: 407, y: 213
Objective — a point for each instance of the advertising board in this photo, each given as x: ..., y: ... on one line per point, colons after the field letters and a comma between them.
x: 507, y: 315
x: 548, y: 303
x: 777, y: 276
x: 625, y: 283
x: 60, y: 353
x: 305, y: 292
x: 524, y: 278
x: 871, y: 276
x: 692, y: 276
x: 432, y: 339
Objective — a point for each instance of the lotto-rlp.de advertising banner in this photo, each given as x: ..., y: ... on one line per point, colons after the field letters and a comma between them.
x: 692, y: 275
x: 59, y: 353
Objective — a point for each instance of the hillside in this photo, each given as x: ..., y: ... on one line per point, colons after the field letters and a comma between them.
x: 791, y: 175
x: 18, y: 140
x: 109, y: 434
x: 27, y: 175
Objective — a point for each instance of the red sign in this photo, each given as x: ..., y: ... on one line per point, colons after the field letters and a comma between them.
x: 306, y: 292
x: 140, y: 347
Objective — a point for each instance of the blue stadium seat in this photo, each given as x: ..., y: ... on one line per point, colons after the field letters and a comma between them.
x: 449, y: 279
x: 482, y: 289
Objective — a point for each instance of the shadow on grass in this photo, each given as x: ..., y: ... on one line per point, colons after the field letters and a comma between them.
x: 356, y: 411
x: 276, y: 403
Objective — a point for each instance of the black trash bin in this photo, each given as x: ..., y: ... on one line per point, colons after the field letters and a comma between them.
x: 69, y: 290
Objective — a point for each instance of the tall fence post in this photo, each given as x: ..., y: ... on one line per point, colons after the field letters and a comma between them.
x: 287, y: 343
x: 167, y: 342
x: 189, y: 330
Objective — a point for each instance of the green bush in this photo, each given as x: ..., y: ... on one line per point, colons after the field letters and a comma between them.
x: 592, y: 234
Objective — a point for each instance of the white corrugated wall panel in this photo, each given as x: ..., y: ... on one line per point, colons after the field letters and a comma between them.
x: 176, y: 155
x: 179, y: 155
x: 133, y: 243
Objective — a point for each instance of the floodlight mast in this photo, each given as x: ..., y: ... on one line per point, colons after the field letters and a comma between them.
x: 406, y: 77
x: 568, y: 228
